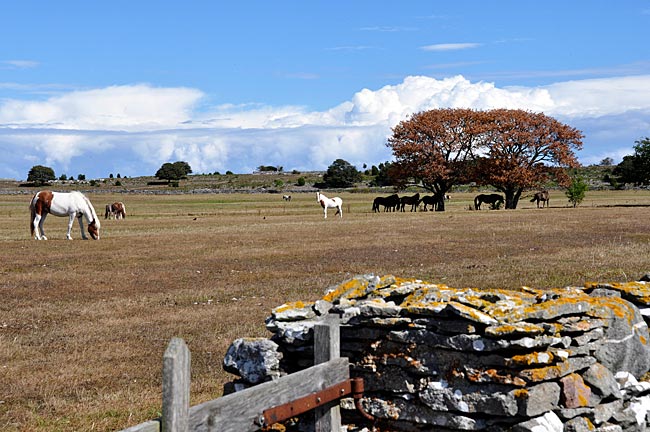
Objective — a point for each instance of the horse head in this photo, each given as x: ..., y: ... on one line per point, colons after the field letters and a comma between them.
x: 93, y: 229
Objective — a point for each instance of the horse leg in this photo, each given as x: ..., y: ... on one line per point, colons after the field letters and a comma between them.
x: 324, y: 212
x: 39, y: 234
x: 81, y: 227
x: 70, y: 223
x: 339, y: 211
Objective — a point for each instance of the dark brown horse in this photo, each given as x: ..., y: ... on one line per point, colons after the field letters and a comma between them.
x: 412, y: 200
x: 541, y: 196
x: 495, y: 200
x: 390, y: 203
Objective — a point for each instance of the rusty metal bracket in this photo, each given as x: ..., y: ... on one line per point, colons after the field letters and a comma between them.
x: 301, y: 405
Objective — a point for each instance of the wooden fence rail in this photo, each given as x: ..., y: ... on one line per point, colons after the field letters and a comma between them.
x: 242, y: 411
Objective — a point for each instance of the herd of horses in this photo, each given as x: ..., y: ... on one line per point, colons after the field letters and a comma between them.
x: 393, y: 203
x: 76, y: 205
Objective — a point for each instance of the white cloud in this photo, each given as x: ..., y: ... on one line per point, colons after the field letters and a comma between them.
x: 132, y: 108
x: 599, y: 97
x: 134, y: 129
x: 450, y: 46
x: 19, y: 64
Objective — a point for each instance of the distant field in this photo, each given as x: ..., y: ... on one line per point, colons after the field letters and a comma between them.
x: 83, y: 324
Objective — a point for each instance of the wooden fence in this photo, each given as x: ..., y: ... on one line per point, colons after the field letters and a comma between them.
x: 242, y: 411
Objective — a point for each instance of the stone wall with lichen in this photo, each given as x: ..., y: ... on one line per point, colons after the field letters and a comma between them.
x: 440, y: 358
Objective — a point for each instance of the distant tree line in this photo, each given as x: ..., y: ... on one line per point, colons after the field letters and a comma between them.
x: 510, y: 150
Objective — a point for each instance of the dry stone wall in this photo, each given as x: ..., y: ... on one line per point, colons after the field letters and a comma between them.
x: 447, y: 359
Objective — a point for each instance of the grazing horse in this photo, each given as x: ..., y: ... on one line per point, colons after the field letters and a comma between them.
x: 326, y: 203
x: 412, y: 200
x: 116, y: 210
x: 286, y: 197
x: 72, y: 204
x: 543, y: 197
x: 494, y: 200
x: 390, y: 203
x: 429, y: 200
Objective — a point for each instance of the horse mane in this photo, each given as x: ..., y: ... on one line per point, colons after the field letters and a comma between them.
x: 91, y: 209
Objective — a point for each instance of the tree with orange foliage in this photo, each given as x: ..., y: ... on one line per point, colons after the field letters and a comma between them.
x: 508, y: 149
x: 525, y: 150
x: 434, y: 149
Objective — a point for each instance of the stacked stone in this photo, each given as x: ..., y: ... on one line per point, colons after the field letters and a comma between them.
x: 435, y: 357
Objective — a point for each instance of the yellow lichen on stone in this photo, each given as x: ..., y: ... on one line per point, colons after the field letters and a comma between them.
x: 293, y: 305
x: 520, y: 328
x: 531, y: 359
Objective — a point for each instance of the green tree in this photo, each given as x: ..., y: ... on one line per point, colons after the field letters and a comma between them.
x: 173, y: 171
x: 635, y: 168
x: 40, y: 175
x: 341, y: 174
x: 575, y: 192
x: 382, y: 175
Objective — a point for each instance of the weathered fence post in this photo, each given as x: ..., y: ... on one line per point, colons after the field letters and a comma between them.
x: 176, y: 387
x: 327, y: 343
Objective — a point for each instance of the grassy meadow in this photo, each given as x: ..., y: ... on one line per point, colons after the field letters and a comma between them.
x: 84, y: 324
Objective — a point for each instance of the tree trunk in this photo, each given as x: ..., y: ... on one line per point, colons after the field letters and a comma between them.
x: 512, y: 197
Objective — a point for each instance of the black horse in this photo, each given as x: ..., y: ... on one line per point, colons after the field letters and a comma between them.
x: 495, y: 200
x: 412, y: 200
x: 390, y: 203
x: 429, y: 200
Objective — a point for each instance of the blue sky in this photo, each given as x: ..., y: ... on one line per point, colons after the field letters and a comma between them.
x: 103, y: 88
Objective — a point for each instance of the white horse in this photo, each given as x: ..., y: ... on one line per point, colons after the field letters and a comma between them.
x: 326, y: 203
x: 72, y: 204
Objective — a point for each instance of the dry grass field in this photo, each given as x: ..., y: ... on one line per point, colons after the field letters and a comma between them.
x: 84, y: 324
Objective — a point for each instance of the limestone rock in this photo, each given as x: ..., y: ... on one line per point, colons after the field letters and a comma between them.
x: 549, y: 422
x: 255, y: 360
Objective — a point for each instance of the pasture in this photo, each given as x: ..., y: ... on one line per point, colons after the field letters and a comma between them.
x: 83, y: 324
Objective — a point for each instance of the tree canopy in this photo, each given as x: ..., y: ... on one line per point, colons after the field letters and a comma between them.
x: 341, y: 174
x: 526, y: 149
x: 635, y: 168
x: 174, y: 171
x: 510, y: 150
x: 40, y: 175
x: 433, y: 149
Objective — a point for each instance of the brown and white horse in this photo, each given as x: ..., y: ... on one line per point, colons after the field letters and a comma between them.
x: 326, y: 203
x: 72, y: 204
x: 116, y: 210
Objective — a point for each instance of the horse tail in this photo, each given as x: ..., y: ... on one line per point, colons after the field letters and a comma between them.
x: 32, y: 212
x: 33, y: 216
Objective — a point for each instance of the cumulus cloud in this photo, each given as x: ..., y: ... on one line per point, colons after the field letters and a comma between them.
x: 132, y: 108
x: 134, y: 129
